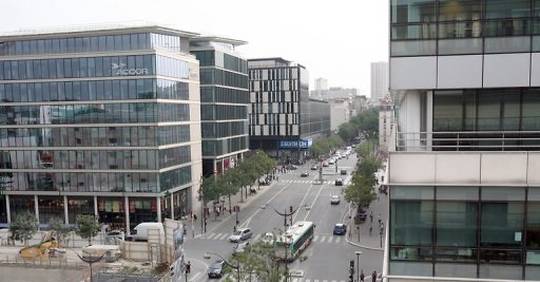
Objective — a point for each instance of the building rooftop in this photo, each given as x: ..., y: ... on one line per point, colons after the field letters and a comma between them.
x: 234, y: 42
x: 94, y: 29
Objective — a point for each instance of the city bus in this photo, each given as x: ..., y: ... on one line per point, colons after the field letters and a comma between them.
x: 290, y: 244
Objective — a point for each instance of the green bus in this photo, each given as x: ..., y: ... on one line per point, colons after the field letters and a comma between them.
x: 297, y: 238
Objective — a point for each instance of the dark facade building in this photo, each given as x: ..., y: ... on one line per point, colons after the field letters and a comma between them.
x: 284, y: 121
x: 224, y: 102
x: 102, y: 122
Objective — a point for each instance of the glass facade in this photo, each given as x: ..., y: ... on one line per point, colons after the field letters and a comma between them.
x: 471, y: 232
x: 224, y: 106
x: 94, y: 122
x: 448, y: 27
x: 85, y: 44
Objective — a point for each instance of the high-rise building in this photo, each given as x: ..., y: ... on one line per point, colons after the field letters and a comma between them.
x: 224, y: 102
x: 321, y: 83
x: 464, y: 196
x: 340, y: 112
x: 101, y: 121
x: 379, y: 80
x: 283, y: 119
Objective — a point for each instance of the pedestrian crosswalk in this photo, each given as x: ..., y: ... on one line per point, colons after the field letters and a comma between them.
x: 326, y: 239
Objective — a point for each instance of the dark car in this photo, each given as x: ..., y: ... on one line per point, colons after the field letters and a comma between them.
x: 215, y: 270
x: 360, y: 216
x: 339, y: 182
x: 340, y: 229
x: 304, y: 174
x: 343, y: 172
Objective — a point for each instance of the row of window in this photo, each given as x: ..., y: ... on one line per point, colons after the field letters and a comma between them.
x: 274, y: 108
x: 104, y: 43
x: 274, y: 85
x: 220, y: 59
x: 224, y: 95
x: 94, y: 181
x: 221, y: 147
x: 94, y: 113
x: 282, y: 96
x: 221, y: 77
x: 274, y: 129
x: 94, y: 136
x: 223, y: 112
x: 117, y: 89
x: 487, y: 110
x: 274, y: 74
x: 94, y: 159
x: 223, y: 129
x: 78, y: 67
x: 110, y: 66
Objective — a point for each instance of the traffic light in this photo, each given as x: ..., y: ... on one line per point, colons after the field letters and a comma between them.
x: 351, y: 271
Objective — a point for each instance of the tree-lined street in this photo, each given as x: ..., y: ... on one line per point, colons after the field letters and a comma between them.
x: 327, y: 258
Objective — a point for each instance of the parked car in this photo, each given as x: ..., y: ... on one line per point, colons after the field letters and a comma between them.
x: 360, y: 216
x: 340, y: 229
x: 334, y: 200
x: 265, y: 181
x: 304, y: 174
x: 140, y: 232
x: 325, y: 164
x: 331, y: 161
x: 343, y: 172
x: 339, y: 182
x: 240, y: 234
x: 314, y: 167
x: 240, y: 247
x: 215, y: 270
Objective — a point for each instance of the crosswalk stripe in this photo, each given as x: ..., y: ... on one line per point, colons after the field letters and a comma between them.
x: 315, y: 238
x: 325, y: 281
x: 338, y: 239
x: 209, y: 237
x: 330, y: 239
x: 322, y: 239
x: 307, y: 280
x: 217, y: 236
x: 334, y: 281
x: 224, y: 236
x: 257, y: 237
x: 316, y: 280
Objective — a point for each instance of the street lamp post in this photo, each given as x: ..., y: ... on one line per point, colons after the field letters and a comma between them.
x: 381, y: 231
x: 358, y: 254
x: 235, y: 267
x: 90, y: 261
x: 285, y: 215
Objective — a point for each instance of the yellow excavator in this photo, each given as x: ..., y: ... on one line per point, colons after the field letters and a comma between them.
x: 31, y: 252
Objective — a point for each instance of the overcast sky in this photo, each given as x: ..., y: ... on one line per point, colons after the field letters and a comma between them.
x: 335, y: 39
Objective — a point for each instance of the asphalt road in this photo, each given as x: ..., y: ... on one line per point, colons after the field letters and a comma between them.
x: 327, y: 257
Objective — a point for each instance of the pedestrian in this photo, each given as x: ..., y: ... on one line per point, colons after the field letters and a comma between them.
x: 188, y: 267
x: 374, y: 276
x: 371, y: 216
x: 370, y: 229
x: 194, y: 217
x: 234, y: 229
x: 362, y: 276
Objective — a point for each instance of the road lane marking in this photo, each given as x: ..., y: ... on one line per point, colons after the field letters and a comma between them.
x: 313, y: 203
x: 194, y: 278
x: 322, y: 239
x: 330, y: 239
x: 257, y: 237
x: 224, y: 236
x: 248, y: 220
x: 210, y: 236
x: 315, y: 238
x: 338, y: 240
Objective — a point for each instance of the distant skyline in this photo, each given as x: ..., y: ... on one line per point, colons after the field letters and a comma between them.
x: 334, y: 40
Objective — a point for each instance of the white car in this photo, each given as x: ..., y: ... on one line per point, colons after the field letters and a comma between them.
x: 334, y: 200
x: 241, y: 234
x: 240, y: 247
x: 268, y: 238
x: 331, y: 161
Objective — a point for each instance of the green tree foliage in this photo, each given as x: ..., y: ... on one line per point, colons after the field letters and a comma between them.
x: 87, y: 227
x: 365, y: 124
x: 325, y: 145
x: 257, y: 263
x: 60, y: 229
x: 23, y: 226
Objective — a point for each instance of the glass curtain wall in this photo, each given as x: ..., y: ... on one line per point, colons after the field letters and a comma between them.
x: 449, y: 27
x: 470, y: 232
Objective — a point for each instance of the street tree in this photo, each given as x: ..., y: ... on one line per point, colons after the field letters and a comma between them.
x: 87, y: 227
x: 23, y: 226
x: 360, y: 192
x: 258, y: 263
x: 60, y: 229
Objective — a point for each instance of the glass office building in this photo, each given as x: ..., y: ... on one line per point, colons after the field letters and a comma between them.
x: 224, y: 102
x: 102, y: 121
x: 284, y: 121
x: 464, y: 194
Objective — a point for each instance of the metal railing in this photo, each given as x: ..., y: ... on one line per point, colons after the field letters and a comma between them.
x: 468, y: 141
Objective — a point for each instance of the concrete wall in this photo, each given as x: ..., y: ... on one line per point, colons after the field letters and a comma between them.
x: 464, y: 168
x: 465, y: 71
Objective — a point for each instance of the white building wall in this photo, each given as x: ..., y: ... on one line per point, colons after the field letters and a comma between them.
x: 339, y: 113
x: 379, y: 80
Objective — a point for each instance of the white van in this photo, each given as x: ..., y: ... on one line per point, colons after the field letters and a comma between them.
x: 141, y: 230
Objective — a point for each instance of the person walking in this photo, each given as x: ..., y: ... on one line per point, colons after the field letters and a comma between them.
x: 362, y: 276
x: 371, y: 216
x: 374, y: 276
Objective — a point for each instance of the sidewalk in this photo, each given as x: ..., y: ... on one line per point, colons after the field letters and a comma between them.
x: 214, y: 222
x: 363, y: 239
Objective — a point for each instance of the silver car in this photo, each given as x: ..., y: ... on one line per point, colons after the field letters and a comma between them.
x: 240, y: 235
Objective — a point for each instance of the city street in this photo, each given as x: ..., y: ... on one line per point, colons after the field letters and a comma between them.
x: 327, y: 257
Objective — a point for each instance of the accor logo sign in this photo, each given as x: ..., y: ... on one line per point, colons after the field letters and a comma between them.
x: 123, y: 70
